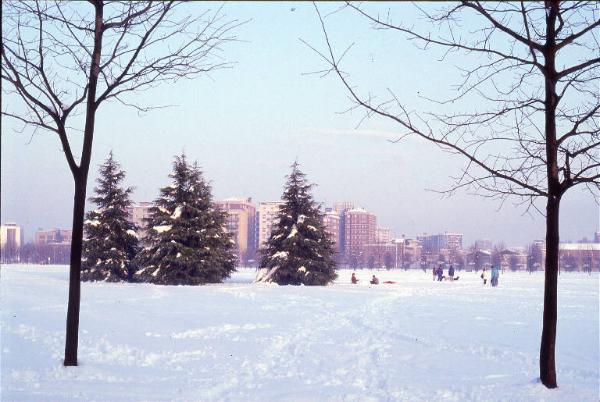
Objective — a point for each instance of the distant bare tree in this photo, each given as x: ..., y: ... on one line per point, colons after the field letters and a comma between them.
x: 64, y: 59
x: 534, y: 132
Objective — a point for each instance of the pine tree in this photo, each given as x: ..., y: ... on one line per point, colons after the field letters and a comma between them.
x: 111, y: 241
x: 299, y: 250
x: 187, y: 241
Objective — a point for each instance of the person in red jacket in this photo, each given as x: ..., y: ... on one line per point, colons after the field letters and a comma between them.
x: 353, y: 279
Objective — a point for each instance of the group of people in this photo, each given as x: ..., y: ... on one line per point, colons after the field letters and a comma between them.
x: 438, y: 274
x: 374, y: 280
x: 494, y: 278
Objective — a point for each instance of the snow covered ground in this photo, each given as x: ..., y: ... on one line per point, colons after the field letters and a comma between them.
x: 416, y: 340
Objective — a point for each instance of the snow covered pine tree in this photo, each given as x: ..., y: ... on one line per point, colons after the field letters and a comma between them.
x: 187, y: 242
x: 299, y: 251
x: 111, y: 242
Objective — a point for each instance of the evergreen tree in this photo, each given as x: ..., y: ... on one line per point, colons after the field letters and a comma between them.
x: 111, y: 241
x: 187, y: 241
x: 299, y: 250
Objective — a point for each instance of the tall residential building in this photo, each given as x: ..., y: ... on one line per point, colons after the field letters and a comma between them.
x: 11, y: 239
x: 340, y: 208
x: 241, y: 223
x: 331, y: 221
x: 360, y: 227
x: 266, y: 218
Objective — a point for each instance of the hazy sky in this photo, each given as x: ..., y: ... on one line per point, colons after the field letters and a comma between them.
x: 245, y: 126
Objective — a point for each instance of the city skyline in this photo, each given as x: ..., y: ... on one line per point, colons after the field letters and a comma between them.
x: 247, y: 125
x: 359, y: 242
x: 139, y: 212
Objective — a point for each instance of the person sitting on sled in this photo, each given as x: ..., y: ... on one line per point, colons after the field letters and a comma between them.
x: 353, y: 279
x: 374, y: 280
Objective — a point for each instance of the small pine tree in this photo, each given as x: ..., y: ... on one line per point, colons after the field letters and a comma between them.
x: 187, y: 241
x: 111, y: 241
x: 299, y: 250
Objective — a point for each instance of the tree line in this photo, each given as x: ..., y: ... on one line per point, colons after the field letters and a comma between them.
x: 186, y: 241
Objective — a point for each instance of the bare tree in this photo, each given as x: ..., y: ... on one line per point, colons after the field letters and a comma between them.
x: 65, y: 59
x: 534, y: 133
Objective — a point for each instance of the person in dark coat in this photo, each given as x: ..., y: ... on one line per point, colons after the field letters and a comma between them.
x: 374, y: 280
x: 440, y: 273
x: 451, y: 272
x: 353, y: 279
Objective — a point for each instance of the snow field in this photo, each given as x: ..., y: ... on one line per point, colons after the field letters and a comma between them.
x: 416, y: 340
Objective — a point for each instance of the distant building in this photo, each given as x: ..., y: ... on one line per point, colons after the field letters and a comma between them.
x: 397, y: 253
x: 512, y: 258
x: 11, y: 239
x: 241, y: 224
x: 442, y: 248
x: 267, y: 216
x: 383, y: 235
x: 435, y: 243
x: 537, y: 256
x: 360, y: 227
x: 331, y: 221
x: 54, y: 245
x: 483, y: 244
x: 597, y: 237
x: 53, y: 236
x: 138, y: 213
x: 410, y: 255
x: 579, y: 257
x: 380, y: 255
x: 340, y: 208
x: 478, y: 259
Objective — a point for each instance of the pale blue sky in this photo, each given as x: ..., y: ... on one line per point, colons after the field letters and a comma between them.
x: 245, y: 126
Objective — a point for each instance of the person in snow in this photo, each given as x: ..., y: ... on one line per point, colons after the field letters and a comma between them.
x: 451, y: 272
x: 353, y: 279
x: 440, y: 273
x: 484, y: 276
x: 374, y: 280
x: 495, y: 276
x: 434, y: 272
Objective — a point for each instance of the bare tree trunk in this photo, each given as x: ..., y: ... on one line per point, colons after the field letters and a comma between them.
x: 547, y: 347
x: 547, y: 361
x: 80, y: 177
x: 75, y: 274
